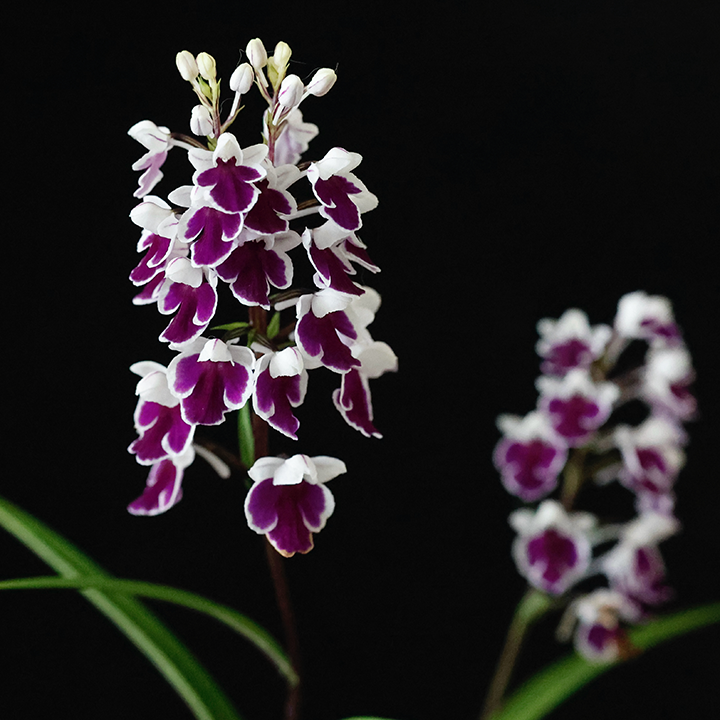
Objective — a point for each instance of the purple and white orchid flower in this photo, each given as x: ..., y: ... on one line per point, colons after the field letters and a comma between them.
x: 570, y: 342
x: 289, y: 500
x: 342, y: 195
x: 211, y: 378
x: 230, y: 173
x: 575, y: 404
x: 158, y: 421
x: 530, y: 456
x: 552, y: 549
x: 280, y: 385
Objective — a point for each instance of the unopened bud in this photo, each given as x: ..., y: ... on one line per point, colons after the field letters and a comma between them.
x: 206, y: 65
x: 291, y: 91
x: 282, y: 54
x: 200, y: 121
x: 256, y: 53
x: 278, y: 63
x: 242, y: 78
x: 321, y: 82
x: 186, y: 65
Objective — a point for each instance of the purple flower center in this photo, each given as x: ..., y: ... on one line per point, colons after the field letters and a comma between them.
x: 334, y: 194
x: 555, y: 553
x: 532, y: 461
x: 568, y: 355
x: 570, y: 417
x: 232, y: 189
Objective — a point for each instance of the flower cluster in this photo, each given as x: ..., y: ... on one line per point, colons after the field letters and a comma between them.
x: 576, y: 434
x: 232, y: 226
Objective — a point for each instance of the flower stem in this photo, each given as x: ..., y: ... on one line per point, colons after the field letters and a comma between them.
x: 532, y: 606
x: 573, y: 477
x: 282, y: 595
x: 260, y: 445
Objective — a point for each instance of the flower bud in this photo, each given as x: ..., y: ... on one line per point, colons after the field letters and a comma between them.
x: 282, y: 54
x: 242, y: 78
x: 186, y: 65
x: 321, y: 82
x: 291, y: 91
x: 200, y: 121
x: 277, y: 64
x: 206, y: 65
x: 256, y: 53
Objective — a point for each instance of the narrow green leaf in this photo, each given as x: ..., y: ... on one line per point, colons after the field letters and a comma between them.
x: 241, y: 325
x: 238, y: 622
x: 548, y: 688
x: 140, y: 625
x: 273, y: 327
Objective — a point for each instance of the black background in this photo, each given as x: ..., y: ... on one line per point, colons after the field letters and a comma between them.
x: 528, y: 157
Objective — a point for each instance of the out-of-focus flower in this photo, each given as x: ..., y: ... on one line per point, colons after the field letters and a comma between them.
x: 570, y: 342
x: 646, y: 317
x: 575, y: 404
x: 552, y: 549
x: 634, y: 566
x: 599, y: 635
x: 652, y: 455
x: 666, y: 382
x: 530, y: 456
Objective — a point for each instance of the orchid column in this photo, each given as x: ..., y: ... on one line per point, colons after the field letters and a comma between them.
x: 247, y: 209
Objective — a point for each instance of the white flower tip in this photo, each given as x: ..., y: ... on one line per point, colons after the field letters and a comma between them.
x: 257, y: 55
x: 321, y: 82
x: 281, y: 55
x: 291, y: 91
x: 186, y: 65
x: 201, y: 121
x: 206, y: 65
x: 242, y: 78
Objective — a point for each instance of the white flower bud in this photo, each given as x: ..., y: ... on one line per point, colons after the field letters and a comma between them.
x: 291, y: 91
x: 256, y: 53
x: 200, y: 121
x: 321, y: 82
x: 186, y: 65
x: 242, y: 78
x: 206, y: 65
x: 282, y: 54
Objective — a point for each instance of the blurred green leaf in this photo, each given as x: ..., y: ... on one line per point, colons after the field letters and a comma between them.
x: 147, y: 632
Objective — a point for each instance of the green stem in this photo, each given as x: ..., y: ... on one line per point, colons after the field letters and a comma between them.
x: 246, y: 439
x: 548, y: 688
x: 530, y: 609
x: 256, y: 427
x: 573, y: 476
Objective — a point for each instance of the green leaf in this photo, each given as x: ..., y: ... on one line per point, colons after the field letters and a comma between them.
x: 231, y: 326
x: 147, y: 632
x: 548, y: 688
x: 273, y: 327
x: 241, y: 624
